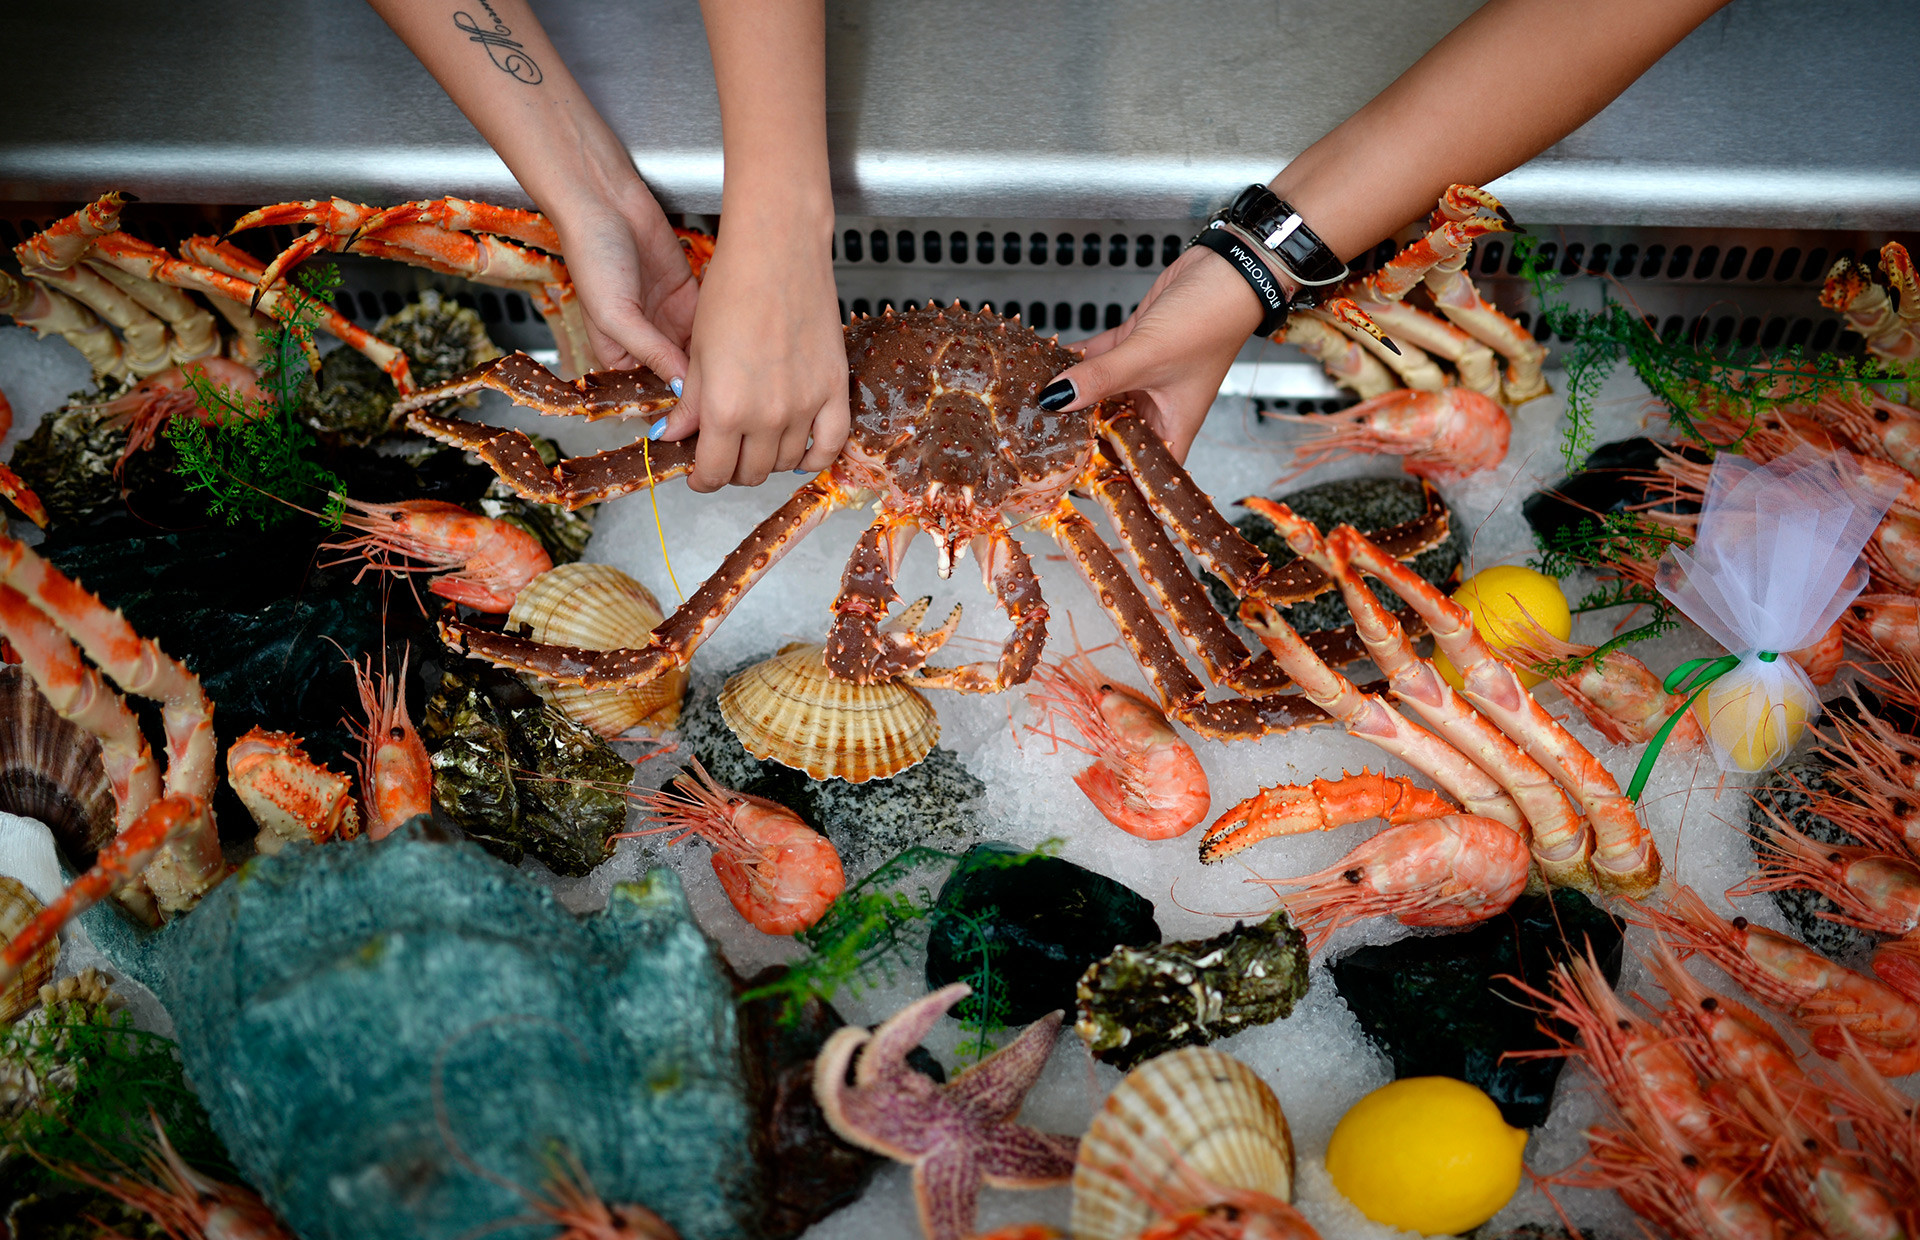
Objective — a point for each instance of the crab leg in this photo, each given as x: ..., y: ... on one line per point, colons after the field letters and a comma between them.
x: 1186, y: 510
x: 859, y: 648
x: 146, y: 350
x: 673, y: 640
x: 1457, y: 298
x: 195, y: 334
x: 1561, y: 839
x: 1343, y: 358
x: 168, y: 823
x: 1624, y: 858
x: 1869, y: 310
x: 67, y: 240
x: 192, y: 863
x: 1007, y: 571
x: 573, y: 483
x: 1371, y: 719
x: 216, y: 255
x: 1226, y: 658
x: 32, y: 304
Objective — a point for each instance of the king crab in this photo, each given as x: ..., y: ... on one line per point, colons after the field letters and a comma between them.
x: 947, y: 434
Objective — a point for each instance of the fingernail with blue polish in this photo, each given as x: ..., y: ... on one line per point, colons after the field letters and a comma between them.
x: 658, y: 429
x: 679, y: 386
x: 1057, y: 395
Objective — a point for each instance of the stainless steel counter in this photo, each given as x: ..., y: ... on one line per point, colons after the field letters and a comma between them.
x: 1775, y: 113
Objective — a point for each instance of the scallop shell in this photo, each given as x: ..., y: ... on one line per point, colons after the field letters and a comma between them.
x: 598, y: 607
x: 1208, y: 1109
x: 788, y: 709
x: 50, y: 771
x: 18, y: 907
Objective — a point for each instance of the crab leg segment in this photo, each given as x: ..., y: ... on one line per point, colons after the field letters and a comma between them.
x: 32, y: 304
x: 1345, y: 359
x: 601, y: 394
x: 1226, y: 658
x: 1181, y: 693
x: 674, y: 639
x: 1870, y: 311
x: 1624, y: 858
x: 1007, y: 571
x: 169, y: 822
x: 573, y: 483
x: 146, y: 350
x: 1457, y: 297
x: 1561, y: 839
x: 67, y: 240
x: 861, y: 646
x: 1371, y: 719
x: 1322, y: 805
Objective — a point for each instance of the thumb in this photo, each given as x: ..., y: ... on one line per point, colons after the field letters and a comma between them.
x: 1122, y: 368
x: 629, y: 331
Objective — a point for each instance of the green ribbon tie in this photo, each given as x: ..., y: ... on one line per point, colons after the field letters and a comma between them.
x: 1694, y: 674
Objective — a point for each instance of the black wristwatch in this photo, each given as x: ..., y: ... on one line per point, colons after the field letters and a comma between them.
x: 1306, y: 259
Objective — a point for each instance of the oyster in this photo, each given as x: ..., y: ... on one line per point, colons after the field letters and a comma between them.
x: 51, y: 771
x: 441, y: 339
x: 1195, y: 1108
x: 598, y: 607
x: 520, y: 777
x: 1142, y: 1001
x: 789, y: 710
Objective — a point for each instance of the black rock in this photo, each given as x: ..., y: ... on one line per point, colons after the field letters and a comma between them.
x: 1785, y: 792
x: 935, y: 803
x: 1022, y: 929
x: 1435, y: 1005
x: 1367, y: 504
x: 1605, y: 484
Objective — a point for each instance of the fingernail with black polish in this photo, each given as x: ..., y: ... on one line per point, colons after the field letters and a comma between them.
x: 658, y: 429
x: 679, y: 386
x: 1057, y: 395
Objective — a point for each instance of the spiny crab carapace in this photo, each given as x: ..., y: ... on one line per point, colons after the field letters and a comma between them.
x: 948, y: 435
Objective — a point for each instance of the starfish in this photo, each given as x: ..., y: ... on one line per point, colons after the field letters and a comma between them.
x: 956, y: 1135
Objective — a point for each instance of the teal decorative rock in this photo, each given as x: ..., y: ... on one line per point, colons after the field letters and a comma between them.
x: 323, y: 996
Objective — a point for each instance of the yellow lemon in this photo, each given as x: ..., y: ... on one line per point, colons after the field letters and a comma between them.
x: 1429, y: 1153
x: 1496, y: 597
x: 1752, y: 730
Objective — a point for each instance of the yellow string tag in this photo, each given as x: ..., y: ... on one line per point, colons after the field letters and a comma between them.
x: 646, y: 457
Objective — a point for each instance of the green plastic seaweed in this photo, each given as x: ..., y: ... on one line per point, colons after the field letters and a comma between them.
x: 250, y: 455
x: 1603, y: 543
x: 1694, y: 379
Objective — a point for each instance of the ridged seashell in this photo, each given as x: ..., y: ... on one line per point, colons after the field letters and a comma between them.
x: 598, y: 607
x: 18, y: 907
x: 1205, y: 1108
x: 50, y: 771
x: 789, y: 710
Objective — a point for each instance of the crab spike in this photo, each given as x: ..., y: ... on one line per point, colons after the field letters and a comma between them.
x: 1343, y: 309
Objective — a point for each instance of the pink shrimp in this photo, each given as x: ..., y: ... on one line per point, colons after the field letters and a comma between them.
x: 1728, y: 1040
x: 396, y: 776
x: 185, y: 1203
x: 779, y: 873
x: 1619, y: 695
x: 1450, y: 871
x: 571, y: 1202
x: 149, y: 405
x: 1820, y: 659
x: 1144, y: 779
x: 1444, y: 435
x: 1875, y: 891
x: 487, y: 562
x: 1831, y: 1002
x: 1193, y: 1207
x: 1885, y: 623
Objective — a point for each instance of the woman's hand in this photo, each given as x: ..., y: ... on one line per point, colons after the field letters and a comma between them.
x: 635, y: 287
x: 1172, y: 353
x: 768, y: 363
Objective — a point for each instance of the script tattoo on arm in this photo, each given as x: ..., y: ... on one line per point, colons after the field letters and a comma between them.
x: 510, y: 57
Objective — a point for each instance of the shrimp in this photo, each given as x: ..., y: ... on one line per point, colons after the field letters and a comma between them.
x: 1192, y: 1207
x: 1821, y: 658
x: 1728, y: 1040
x: 1829, y: 1001
x: 396, y: 776
x: 1144, y: 779
x: 571, y: 1202
x: 1322, y: 805
x: 1444, y: 435
x: 1450, y: 871
x: 1619, y: 695
x: 186, y: 1204
x: 1885, y: 623
x: 149, y: 405
x: 488, y: 562
x: 779, y: 873
x: 16, y: 491
x: 1874, y: 891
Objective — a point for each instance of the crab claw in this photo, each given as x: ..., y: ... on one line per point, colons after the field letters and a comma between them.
x: 905, y: 647
x: 1353, y: 316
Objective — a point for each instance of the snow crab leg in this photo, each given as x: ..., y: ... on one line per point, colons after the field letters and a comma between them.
x: 1624, y: 858
x: 1562, y: 842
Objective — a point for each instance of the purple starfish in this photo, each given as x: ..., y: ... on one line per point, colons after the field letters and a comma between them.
x: 956, y: 1135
